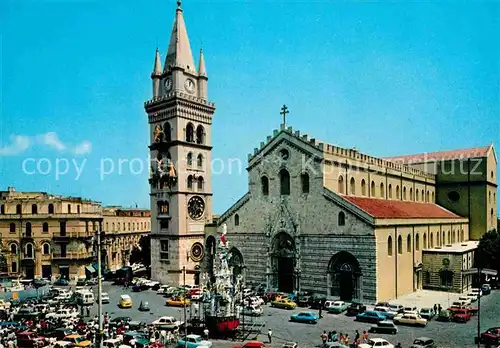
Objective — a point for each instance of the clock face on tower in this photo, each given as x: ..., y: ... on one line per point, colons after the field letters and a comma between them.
x: 189, y: 85
x: 196, y: 207
x: 168, y: 84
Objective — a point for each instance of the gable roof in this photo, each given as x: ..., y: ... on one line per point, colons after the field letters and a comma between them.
x: 474, y: 152
x: 394, y: 209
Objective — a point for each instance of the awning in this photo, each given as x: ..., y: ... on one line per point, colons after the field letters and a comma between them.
x: 90, y: 269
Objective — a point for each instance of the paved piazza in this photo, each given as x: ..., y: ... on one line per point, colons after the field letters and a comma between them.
x: 447, y: 335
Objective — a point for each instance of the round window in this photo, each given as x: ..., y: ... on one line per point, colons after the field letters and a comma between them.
x: 284, y: 154
x: 453, y: 196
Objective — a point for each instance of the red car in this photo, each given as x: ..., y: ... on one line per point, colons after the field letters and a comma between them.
x: 192, y: 292
x: 28, y: 339
x: 252, y: 344
x: 461, y: 315
x: 491, y: 336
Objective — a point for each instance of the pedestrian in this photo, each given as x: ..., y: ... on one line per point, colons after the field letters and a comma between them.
x: 324, y: 337
x: 269, y: 335
x: 346, y: 340
x: 334, y: 336
x: 365, y: 337
x: 435, y: 308
x: 320, y: 309
x: 205, y: 332
x: 341, y: 337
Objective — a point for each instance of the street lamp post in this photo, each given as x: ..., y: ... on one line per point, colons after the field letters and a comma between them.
x: 99, y: 289
x: 185, y: 313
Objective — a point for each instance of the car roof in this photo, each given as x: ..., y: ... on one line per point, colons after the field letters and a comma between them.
x: 376, y: 339
x: 193, y: 336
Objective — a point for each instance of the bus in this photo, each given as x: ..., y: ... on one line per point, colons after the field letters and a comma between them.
x: 124, y: 275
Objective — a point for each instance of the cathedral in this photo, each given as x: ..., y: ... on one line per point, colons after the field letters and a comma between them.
x: 316, y: 217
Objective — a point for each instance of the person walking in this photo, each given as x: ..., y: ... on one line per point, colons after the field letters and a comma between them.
x: 324, y: 337
x: 269, y: 335
x: 365, y: 336
x: 346, y: 340
x: 334, y: 336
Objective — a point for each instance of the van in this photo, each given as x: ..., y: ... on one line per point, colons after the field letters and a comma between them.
x: 85, y: 298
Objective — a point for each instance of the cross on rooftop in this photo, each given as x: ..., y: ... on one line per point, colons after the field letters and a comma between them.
x: 284, y: 111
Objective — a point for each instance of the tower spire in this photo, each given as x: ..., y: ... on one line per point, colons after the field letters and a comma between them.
x: 202, y: 71
x: 157, y: 65
x: 179, y: 50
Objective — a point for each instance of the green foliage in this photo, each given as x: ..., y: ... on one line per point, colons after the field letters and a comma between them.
x: 488, y: 251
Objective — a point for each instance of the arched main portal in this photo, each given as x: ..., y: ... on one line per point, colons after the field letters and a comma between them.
x: 344, y: 277
x: 283, y: 262
x: 236, y: 261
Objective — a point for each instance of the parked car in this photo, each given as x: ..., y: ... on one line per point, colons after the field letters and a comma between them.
x: 461, y: 315
x: 28, y: 339
x: 77, y: 341
x: 112, y: 343
x: 410, y: 309
x: 445, y: 315
x: 385, y: 311
x: 104, y: 297
x: 370, y: 317
x: 162, y: 289
x: 59, y: 333
x: 472, y: 296
x: 61, y: 282
x: 283, y: 303
x: 467, y: 300
x: 486, y: 289
x: 178, y: 302
x: 252, y: 310
x: 410, y: 319
x: 427, y: 313
x: 490, y: 336
x: 423, y: 342
x: 125, y: 301
x: 251, y: 344
x: 193, y: 341
x: 355, y: 308
x: 477, y: 291
x: 375, y: 343
x: 316, y: 301
x: 385, y: 326
x: 396, y: 307
x: 337, y: 307
x: 64, y: 313
x: 304, y: 317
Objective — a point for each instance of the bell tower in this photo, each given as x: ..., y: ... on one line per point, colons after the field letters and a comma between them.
x: 180, y: 119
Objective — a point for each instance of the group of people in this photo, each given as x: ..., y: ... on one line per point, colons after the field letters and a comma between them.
x: 334, y: 336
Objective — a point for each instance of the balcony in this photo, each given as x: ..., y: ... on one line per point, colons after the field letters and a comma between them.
x: 73, y: 234
x: 76, y: 255
x: 163, y: 216
x: 27, y: 236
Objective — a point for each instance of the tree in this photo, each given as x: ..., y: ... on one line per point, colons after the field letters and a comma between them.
x: 142, y: 253
x: 488, y: 251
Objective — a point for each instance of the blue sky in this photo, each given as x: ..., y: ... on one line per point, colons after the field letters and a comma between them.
x: 387, y: 78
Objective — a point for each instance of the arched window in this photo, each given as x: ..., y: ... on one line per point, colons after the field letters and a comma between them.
x: 427, y: 197
x: 107, y: 227
x: 167, y: 131
x: 200, y: 183
x: 304, y: 180
x: 363, y: 187
x: 389, y: 246
x: 78, y: 209
x: 236, y: 220
x: 449, y: 237
x: 190, y: 182
x: 404, y: 193
x: 461, y: 235
x: 372, y: 189
x: 2, y: 209
x: 492, y: 216
x: 423, y: 195
x: 51, y: 208
x: 400, y: 245
x: 200, y: 135
x: 200, y: 161
x: 341, y: 219
x: 264, y: 182
x: 417, y: 242
x: 46, y: 248
x: 398, y: 196
x: 425, y: 241
x: 34, y: 209
x: 431, y: 241
x: 190, y: 133
x: 129, y: 226
x: 14, y: 267
x: 12, y: 227
x: 341, y: 185
x: 353, y: 186
x: 19, y: 210
x: 45, y: 227
x: 408, y: 244
x: 69, y: 208
x: 454, y: 236
x: 28, y: 252
x: 112, y: 226
x: 189, y: 159
x: 433, y: 197
x: 416, y: 195
x: 437, y: 239
x: 284, y: 182
x: 28, y: 229
x: 13, y: 248
x: 382, y: 192
x: 390, y: 191
x: 133, y: 226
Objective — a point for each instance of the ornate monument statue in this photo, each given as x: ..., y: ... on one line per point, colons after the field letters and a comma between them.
x: 159, y: 134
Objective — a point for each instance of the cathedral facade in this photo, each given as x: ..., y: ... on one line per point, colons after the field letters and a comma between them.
x: 316, y: 217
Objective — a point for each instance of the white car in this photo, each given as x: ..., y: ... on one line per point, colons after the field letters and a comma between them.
x: 104, y: 297
x: 472, y: 296
x: 466, y: 300
x: 477, y: 291
x: 253, y: 301
x: 409, y: 319
x: 64, y: 313
x: 151, y: 283
x: 162, y: 289
x: 389, y: 314
x: 413, y: 310
x: 168, y: 322
x: 396, y: 307
x: 375, y: 343
x: 253, y: 311
x: 197, y: 297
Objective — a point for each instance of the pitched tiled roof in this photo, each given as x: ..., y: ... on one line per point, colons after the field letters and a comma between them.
x: 394, y: 209
x: 442, y: 155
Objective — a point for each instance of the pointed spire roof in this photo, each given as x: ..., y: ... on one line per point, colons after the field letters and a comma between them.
x: 202, y: 71
x: 179, y: 50
x: 157, y: 66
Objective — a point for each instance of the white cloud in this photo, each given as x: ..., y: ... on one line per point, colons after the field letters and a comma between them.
x: 83, y: 148
x: 52, y: 140
x: 19, y: 144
